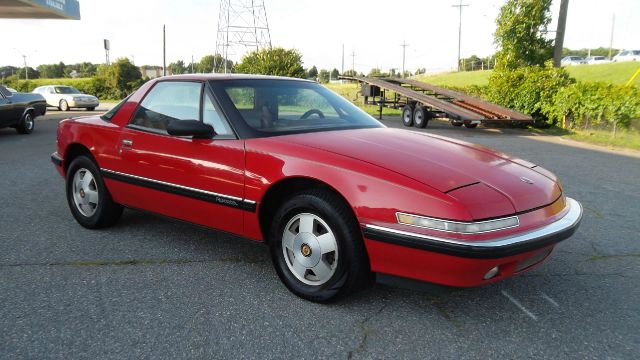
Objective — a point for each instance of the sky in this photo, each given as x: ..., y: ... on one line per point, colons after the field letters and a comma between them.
x: 372, y: 29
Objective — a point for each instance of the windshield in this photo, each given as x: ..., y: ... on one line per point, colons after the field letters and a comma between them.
x: 66, y: 90
x: 274, y: 107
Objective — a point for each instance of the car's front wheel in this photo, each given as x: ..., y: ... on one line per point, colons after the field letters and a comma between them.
x: 64, y: 105
x: 27, y: 124
x: 87, y: 196
x: 317, y: 248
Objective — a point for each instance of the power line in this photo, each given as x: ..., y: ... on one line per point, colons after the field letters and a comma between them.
x: 459, y: 6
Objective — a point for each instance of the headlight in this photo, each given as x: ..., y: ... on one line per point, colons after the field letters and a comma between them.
x: 455, y: 226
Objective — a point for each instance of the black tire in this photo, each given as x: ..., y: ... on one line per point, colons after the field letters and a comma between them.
x: 91, y: 109
x: 456, y: 123
x: 352, y: 270
x: 106, y: 212
x: 421, y: 117
x: 407, y: 115
x: 471, y: 126
x: 27, y: 124
x: 64, y: 105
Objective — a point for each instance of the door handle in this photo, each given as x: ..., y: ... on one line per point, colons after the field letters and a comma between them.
x: 127, y: 143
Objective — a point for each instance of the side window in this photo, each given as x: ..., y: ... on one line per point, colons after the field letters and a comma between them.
x: 211, y: 115
x: 167, y: 101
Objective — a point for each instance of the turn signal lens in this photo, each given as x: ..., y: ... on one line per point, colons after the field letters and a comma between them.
x: 455, y: 226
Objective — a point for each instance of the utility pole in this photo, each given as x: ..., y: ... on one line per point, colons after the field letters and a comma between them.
x: 459, y: 6
x: 353, y: 62
x: 26, y: 71
x: 404, y: 48
x: 342, y: 69
x: 562, y: 24
x: 613, y: 25
x: 164, y: 50
x: 192, y: 65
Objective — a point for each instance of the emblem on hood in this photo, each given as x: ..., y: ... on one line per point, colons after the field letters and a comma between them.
x: 526, y: 180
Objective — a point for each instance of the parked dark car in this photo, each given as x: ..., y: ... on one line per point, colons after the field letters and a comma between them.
x: 19, y: 110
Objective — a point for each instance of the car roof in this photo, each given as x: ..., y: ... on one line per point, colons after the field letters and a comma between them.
x: 206, y: 77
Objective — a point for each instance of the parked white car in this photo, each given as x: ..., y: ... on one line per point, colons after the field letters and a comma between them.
x: 67, y: 97
x: 627, y: 55
x: 596, y: 60
x: 572, y: 60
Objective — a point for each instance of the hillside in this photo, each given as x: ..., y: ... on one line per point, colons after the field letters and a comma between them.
x: 617, y: 73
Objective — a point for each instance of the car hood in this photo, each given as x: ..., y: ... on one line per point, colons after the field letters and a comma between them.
x: 445, y: 164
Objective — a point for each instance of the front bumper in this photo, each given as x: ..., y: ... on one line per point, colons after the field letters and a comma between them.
x: 58, y: 161
x: 464, y: 263
x: 83, y: 104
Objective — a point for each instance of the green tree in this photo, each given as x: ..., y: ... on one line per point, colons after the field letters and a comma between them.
x: 209, y: 63
x: 520, y: 34
x: 323, y: 76
x: 121, y: 77
x: 334, y: 74
x: 52, y: 71
x: 177, y: 68
x: 312, y: 73
x: 274, y: 61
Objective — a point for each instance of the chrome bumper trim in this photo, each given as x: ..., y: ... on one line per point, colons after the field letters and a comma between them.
x: 494, y: 248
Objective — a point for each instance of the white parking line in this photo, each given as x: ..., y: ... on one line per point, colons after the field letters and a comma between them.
x: 549, y: 299
x: 517, y: 303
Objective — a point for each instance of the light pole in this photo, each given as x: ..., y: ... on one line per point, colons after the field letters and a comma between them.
x: 459, y: 6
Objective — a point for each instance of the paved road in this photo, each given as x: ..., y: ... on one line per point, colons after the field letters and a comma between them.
x: 151, y: 288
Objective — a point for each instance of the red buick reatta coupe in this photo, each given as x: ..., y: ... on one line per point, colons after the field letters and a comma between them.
x: 336, y: 195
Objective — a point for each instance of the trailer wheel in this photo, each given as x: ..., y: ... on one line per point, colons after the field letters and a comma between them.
x: 407, y: 115
x: 420, y: 117
x: 471, y: 126
x: 456, y: 123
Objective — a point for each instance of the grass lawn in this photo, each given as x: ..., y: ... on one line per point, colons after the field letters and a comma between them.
x: 617, y: 73
x: 629, y: 139
x: 351, y: 92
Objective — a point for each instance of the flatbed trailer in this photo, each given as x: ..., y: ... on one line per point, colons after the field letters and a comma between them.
x: 421, y: 102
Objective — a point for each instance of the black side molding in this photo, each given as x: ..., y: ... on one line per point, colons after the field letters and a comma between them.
x: 181, y: 190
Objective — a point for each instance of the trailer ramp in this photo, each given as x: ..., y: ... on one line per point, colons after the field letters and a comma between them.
x: 416, y: 97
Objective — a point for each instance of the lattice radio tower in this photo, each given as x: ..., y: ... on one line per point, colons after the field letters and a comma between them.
x: 242, y: 27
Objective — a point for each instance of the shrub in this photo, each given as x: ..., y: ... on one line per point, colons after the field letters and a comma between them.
x: 595, y: 104
x: 90, y: 86
x: 530, y: 90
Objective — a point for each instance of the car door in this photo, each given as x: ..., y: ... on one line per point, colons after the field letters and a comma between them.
x: 9, y: 110
x: 197, y: 180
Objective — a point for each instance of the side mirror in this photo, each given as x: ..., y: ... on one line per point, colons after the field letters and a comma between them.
x: 195, y: 128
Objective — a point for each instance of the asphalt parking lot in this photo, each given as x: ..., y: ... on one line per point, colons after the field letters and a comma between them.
x: 153, y: 288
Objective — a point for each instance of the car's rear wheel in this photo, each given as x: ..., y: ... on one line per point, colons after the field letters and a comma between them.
x: 27, y: 124
x: 407, y: 115
x: 317, y: 248
x: 471, y: 126
x: 456, y: 123
x: 87, y: 196
x: 63, y: 106
x: 420, y: 117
